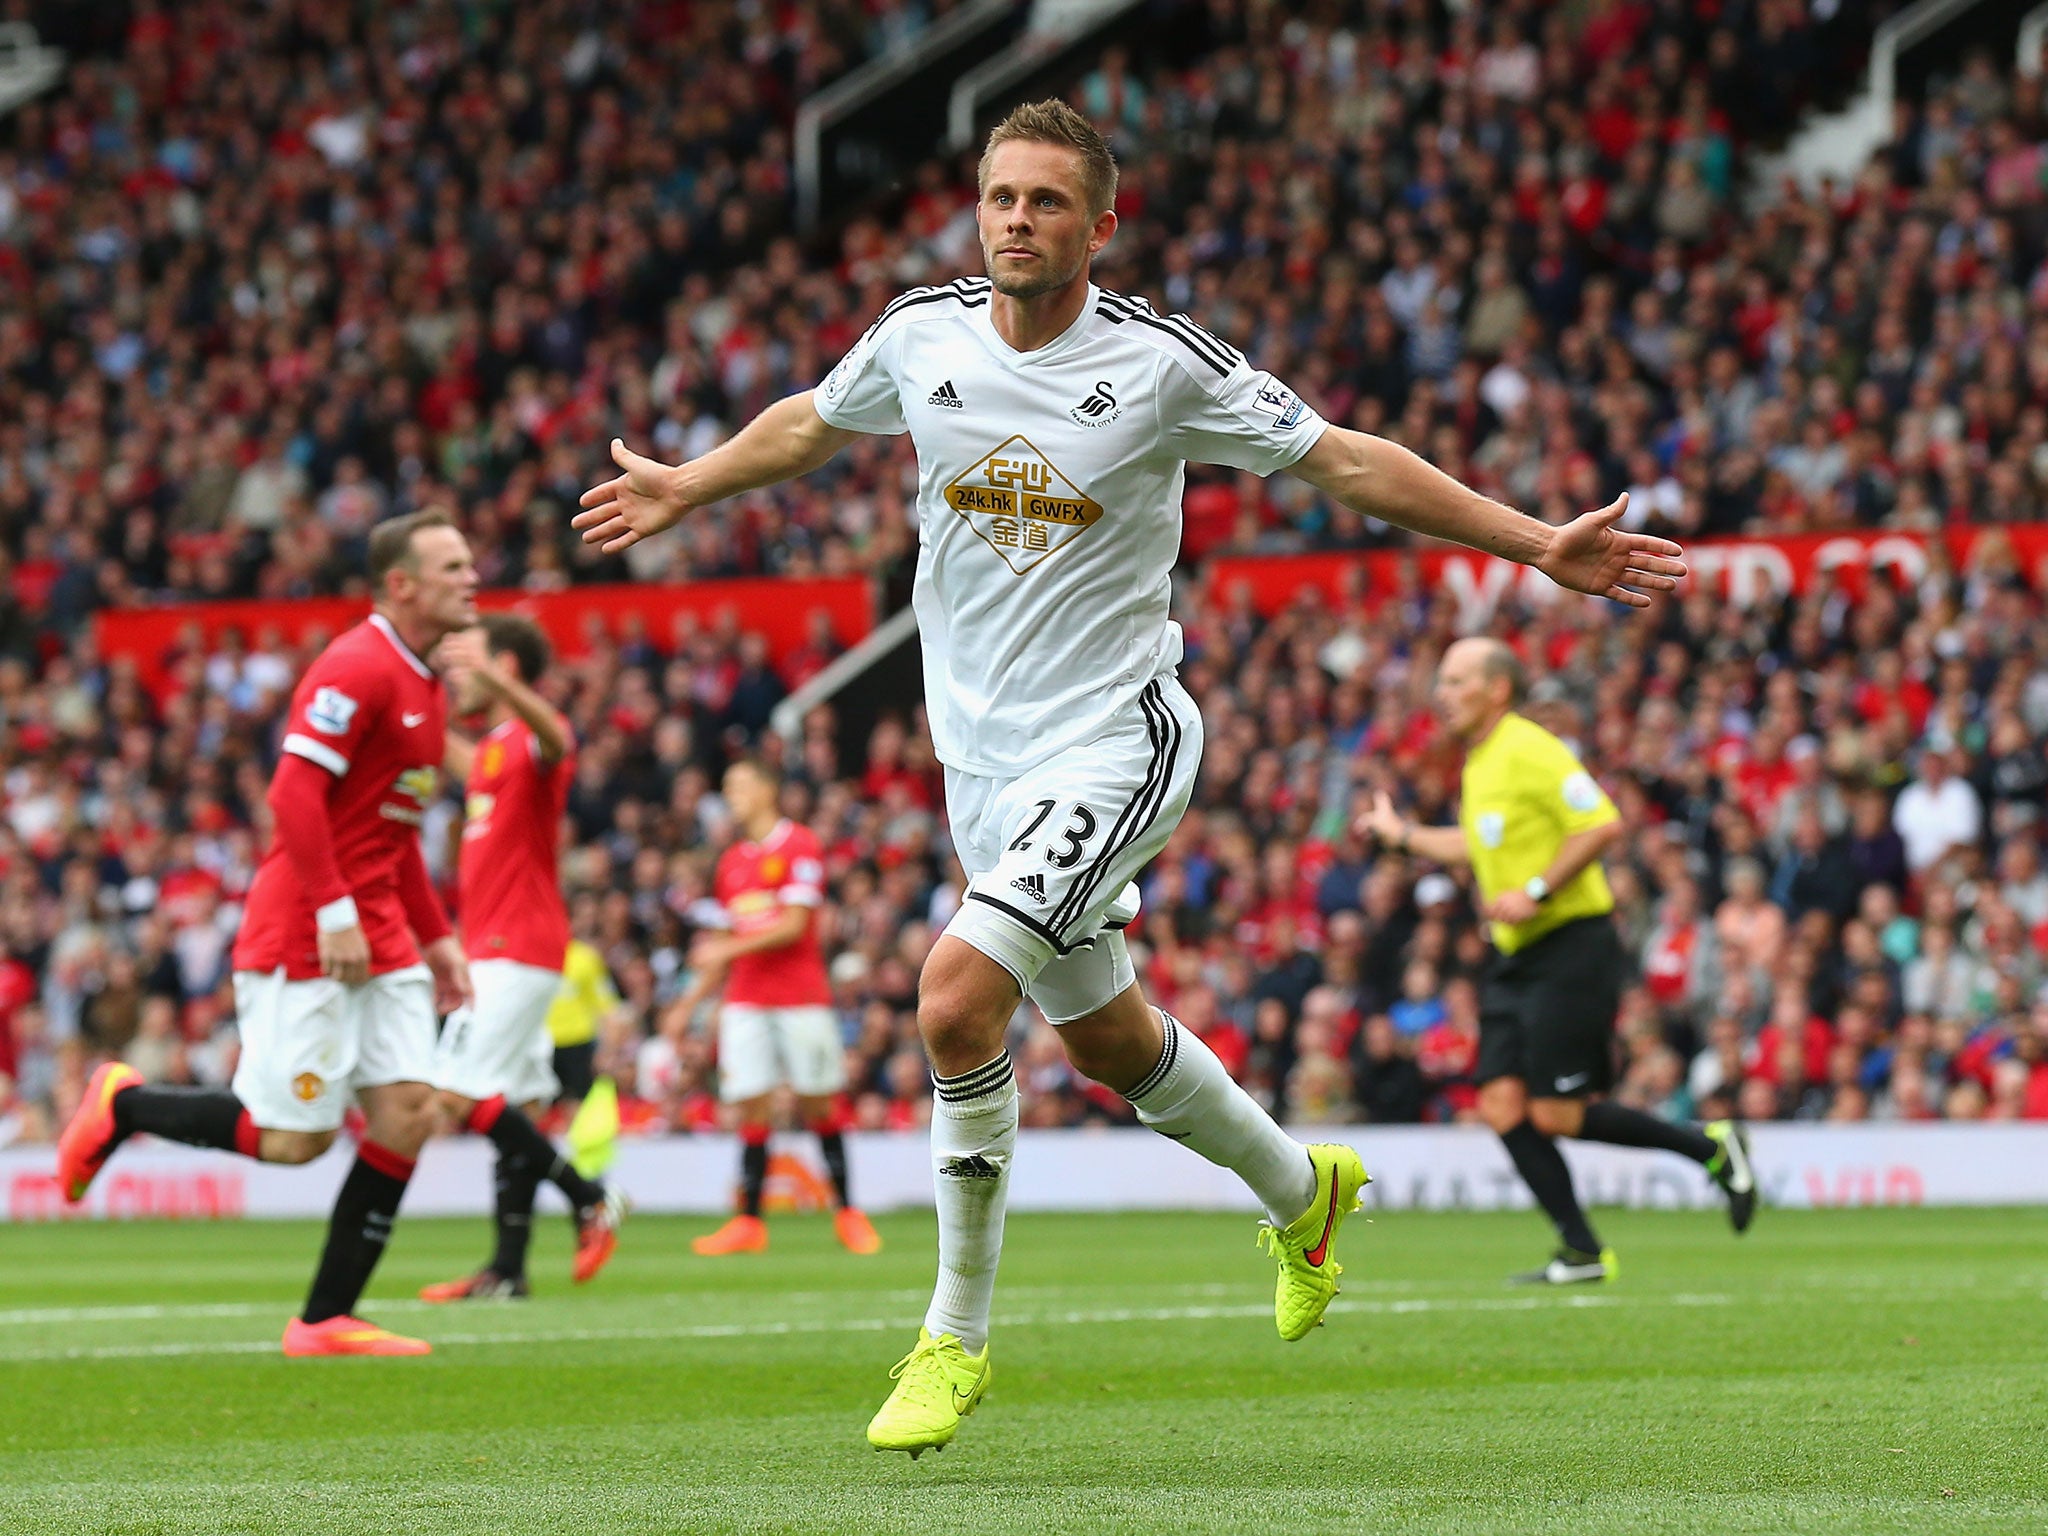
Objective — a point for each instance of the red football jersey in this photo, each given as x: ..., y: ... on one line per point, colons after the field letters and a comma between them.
x: 372, y: 714
x: 757, y: 880
x: 511, y: 889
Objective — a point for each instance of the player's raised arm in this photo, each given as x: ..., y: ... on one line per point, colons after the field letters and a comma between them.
x: 1589, y: 554
x: 467, y: 658
x: 788, y: 439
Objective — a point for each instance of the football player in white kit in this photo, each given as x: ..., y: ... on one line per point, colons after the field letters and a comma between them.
x: 1052, y: 422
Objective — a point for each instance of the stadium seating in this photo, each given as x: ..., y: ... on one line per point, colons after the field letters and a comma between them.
x: 252, y: 311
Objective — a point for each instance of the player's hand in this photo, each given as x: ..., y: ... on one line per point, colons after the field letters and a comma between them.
x: 463, y: 660
x: 1382, y: 821
x: 345, y: 955
x: 1511, y: 907
x: 450, y: 966
x: 632, y: 506
x: 466, y: 651
x: 1590, y: 554
x: 711, y: 953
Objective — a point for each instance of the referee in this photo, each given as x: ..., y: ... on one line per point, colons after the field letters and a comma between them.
x: 1533, y: 824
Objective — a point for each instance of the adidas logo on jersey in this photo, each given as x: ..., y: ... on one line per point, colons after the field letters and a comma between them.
x: 947, y: 396
x: 1032, y: 885
x: 974, y: 1166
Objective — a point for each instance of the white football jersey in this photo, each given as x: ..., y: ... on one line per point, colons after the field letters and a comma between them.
x: 1049, y: 500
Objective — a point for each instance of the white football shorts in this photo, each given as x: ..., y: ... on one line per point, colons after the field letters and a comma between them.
x: 761, y: 1048
x: 307, y: 1046
x: 500, y: 1044
x: 1049, y: 854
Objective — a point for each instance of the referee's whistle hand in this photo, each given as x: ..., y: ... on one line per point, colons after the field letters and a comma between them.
x: 1382, y: 821
x: 1511, y: 907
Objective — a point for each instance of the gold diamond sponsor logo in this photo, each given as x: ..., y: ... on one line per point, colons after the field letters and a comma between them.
x: 1021, y: 505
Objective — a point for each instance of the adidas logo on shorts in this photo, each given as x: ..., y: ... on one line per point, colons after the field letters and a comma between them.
x: 972, y: 1167
x: 1032, y: 885
x: 947, y: 396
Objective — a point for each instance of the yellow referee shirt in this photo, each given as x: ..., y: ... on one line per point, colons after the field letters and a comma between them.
x: 1523, y: 795
x: 587, y: 995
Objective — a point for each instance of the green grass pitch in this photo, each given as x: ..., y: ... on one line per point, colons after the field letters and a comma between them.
x: 1848, y: 1371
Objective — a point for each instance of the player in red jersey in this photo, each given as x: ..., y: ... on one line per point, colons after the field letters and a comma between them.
x: 345, y: 952
x: 777, y: 1024
x: 515, y: 930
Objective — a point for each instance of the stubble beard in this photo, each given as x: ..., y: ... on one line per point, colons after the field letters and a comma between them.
x: 1019, y: 285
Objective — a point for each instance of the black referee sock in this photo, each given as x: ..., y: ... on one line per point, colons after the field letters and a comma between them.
x: 198, y: 1117
x: 517, y: 1185
x: 753, y: 1174
x: 515, y: 1135
x: 833, y: 1146
x: 1543, y: 1169
x: 1620, y: 1126
x: 357, y: 1231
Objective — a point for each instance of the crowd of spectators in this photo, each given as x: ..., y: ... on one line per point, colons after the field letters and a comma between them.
x: 274, y: 274
x: 1832, y: 890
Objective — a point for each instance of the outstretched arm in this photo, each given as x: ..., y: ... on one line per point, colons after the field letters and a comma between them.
x: 1377, y: 478
x: 788, y: 439
x: 1440, y: 845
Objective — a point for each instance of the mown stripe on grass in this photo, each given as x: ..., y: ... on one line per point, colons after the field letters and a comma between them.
x: 781, y: 1328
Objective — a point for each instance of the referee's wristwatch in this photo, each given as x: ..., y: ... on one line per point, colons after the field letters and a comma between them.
x: 1537, y: 890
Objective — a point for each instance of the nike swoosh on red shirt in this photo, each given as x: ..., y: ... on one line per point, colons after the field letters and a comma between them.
x: 1314, y: 1256
x: 412, y: 719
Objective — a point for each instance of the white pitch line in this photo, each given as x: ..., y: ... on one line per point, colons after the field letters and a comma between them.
x: 142, y: 1312
x: 1061, y: 1319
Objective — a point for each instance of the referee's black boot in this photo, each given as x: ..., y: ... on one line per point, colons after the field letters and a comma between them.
x: 1570, y: 1266
x: 1731, y: 1169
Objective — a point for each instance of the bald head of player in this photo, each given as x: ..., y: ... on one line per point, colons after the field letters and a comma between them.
x: 1479, y: 681
x: 1047, y: 184
x: 422, y: 577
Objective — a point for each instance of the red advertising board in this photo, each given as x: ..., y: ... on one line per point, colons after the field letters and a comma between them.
x: 1743, y: 571
x: 776, y: 608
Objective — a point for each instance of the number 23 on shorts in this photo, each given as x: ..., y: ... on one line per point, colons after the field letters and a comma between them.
x: 1065, y: 848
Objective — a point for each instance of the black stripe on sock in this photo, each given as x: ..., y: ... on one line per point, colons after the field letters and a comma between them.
x: 1167, y: 1058
x: 979, y: 1083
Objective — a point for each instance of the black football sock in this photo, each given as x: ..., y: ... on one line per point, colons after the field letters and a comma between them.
x: 357, y: 1231
x: 753, y: 1171
x: 198, y: 1117
x: 833, y: 1145
x: 1543, y: 1169
x: 517, y: 1184
x: 1620, y: 1126
x: 511, y: 1132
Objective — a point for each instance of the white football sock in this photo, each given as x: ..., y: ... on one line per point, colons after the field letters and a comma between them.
x: 974, y: 1136
x: 1189, y: 1097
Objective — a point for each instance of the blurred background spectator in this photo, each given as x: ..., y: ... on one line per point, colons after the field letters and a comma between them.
x: 272, y: 274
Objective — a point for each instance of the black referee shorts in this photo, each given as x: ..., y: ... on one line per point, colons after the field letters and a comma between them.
x: 1546, y: 1013
x: 573, y: 1069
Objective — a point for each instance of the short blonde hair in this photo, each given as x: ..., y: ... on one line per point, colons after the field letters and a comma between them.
x: 1054, y: 122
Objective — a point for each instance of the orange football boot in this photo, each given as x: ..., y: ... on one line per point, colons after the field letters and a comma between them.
x: 743, y: 1234
x: 90, y: 1138
x: 347, y: 1336
x: 597, y: 1234
x: 855, y: 1231
x: 484, y: 1285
